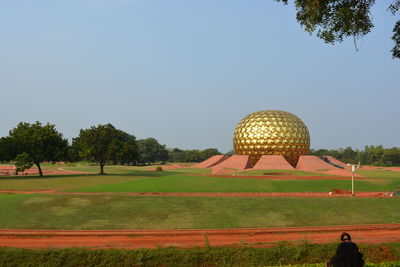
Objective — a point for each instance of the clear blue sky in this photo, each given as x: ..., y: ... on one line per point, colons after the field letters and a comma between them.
x: 186, y: 71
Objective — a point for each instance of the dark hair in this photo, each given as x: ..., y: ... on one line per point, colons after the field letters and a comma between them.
x: 345, y: 236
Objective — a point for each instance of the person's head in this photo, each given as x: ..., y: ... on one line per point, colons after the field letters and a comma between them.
x: 345, y: 237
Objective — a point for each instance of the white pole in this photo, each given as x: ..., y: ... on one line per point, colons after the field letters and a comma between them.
x: 353, y: 167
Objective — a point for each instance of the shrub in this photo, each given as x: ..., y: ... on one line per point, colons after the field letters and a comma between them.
x: 284, y: 254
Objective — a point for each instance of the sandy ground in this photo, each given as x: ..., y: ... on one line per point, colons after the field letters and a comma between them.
x: 131, y: 239
x: 8, y: 170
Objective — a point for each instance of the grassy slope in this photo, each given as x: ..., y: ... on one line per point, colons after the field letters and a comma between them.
x: 41, y: 211
x: 386, y: 174
x: 93, y: 168
x: 60, y: 182
x: 192, y: 171
x: 128, y: 179
x: 175, y: 182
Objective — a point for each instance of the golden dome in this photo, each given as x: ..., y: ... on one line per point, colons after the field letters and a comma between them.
x: 271, y: 132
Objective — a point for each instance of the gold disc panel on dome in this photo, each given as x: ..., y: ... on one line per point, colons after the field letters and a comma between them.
x: 271, y: 132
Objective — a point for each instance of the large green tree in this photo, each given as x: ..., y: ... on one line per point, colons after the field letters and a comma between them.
x: 371, y: 155
x: 391, y: 156
x: 22, y: 162
x: 40, y: 142
x: 193, y: 155
x: 6, y: 149
x: 176, y: 155
x: 151, y: 151
x: 73, y: 154
x: 105, y: 143
x: 334, y: 20
x: 209, y: 152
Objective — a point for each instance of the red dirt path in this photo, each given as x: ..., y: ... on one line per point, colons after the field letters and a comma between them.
x: 335, y: 193
x: 132, y: 239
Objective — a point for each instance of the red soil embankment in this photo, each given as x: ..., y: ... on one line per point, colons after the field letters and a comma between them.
x: 212, y: 161
x: 338, y: 162
x: 232, y: 164
x: 132, y: 239
x: 315, y: 164
x: 272, y: 162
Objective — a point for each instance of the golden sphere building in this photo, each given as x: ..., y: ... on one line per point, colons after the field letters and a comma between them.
x: 271, y: 132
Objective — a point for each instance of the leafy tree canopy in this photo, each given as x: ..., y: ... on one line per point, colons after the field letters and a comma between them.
x: 6, y: 149
x: 22, y: 162
x: 151, y: 151
x: 176, y: 155
x: 334, y: 20
x: 193, y: 155
x: 40, y: 142
x: 104, y: 143
x: 371, y: 155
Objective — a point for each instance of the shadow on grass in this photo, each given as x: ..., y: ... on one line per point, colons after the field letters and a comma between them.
x: 147, y: 173
x: 128, y: 174
x: 30, y: 177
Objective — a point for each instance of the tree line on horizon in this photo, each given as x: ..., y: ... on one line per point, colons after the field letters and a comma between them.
x: 370, y: 155
x: 32, y: 144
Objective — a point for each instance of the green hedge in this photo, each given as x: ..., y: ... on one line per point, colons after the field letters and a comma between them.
x: 384, y: 255
x: 384, y: 264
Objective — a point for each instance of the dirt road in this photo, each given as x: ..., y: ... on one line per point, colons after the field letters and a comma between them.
x: 190, y: 238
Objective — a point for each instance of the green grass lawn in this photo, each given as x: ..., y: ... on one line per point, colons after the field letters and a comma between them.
x: 60, y: 181
x: 386, y: 174
x: 174, y: 182
x: 46, y: 211
x: 73, y: 180
x: 50, y: 211
x: 92, y: 168
x: 192, y: 171
x: 132, y: 179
